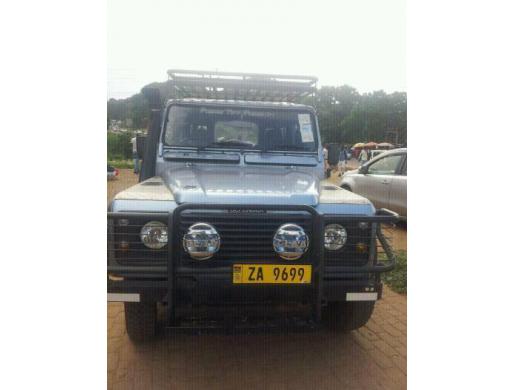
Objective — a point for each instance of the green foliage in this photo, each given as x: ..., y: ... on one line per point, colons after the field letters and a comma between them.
x: 344, y: 115
x: 121, y: 164
x: 375, y: 116
x: 397, y: 278
x: 119, y: 146
x: 133, y: 112
x: 333, y: 105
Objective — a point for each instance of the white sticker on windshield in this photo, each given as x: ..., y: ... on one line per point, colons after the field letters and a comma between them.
x: 304, y: 118
x: 306, y: 131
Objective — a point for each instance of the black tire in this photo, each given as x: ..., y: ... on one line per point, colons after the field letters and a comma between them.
x: 347, y: 316
x: 140, y: 320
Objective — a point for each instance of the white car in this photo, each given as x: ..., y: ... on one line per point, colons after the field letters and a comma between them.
x: 382, y: 180
x: 375, y: 153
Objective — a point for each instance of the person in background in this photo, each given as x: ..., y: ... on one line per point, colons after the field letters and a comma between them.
x: 135, y: 156
x: 343, y: 154
x: 343, y: 160
x: 363, y: 157
x: 326, y: 156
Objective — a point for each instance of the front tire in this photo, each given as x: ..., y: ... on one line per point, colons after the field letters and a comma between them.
x: 347, y: 316
x: 140, y: 320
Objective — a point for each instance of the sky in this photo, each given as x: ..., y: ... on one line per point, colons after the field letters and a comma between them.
x: 361, y: 43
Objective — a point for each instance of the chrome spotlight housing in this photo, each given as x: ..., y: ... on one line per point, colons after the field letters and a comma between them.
x: 154, y: 235
x: 335, y: 237
x: 201, y: 241
x: 290, y: 241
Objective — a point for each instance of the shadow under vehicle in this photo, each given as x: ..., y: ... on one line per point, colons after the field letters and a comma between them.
x: 232, y: 222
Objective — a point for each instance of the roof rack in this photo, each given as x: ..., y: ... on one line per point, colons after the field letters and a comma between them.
x: 240, y: 86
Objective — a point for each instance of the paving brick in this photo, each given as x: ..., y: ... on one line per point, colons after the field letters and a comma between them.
x: 384, y: 347
x: 400, y: 363
x: 364, y: 342
x: 112, y: 361
x: 392, y: 330
x: 401, y: 350
x: 373, y: 357
x: 368, y: 333
x: 383, y: 360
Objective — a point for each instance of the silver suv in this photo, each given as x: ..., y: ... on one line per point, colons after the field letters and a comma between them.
x: 232, y: 220
x: 382, y: 180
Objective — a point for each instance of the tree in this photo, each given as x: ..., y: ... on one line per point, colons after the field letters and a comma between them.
x: 344, y: 115
x: 119, y: 146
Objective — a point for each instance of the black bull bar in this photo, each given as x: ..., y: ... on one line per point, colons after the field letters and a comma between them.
x: 373, y: 266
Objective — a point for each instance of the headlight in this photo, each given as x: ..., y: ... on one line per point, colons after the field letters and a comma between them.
x: 335, y: 237
x: 201, y: 241
x: 290, y: 241
x: 154, y: 235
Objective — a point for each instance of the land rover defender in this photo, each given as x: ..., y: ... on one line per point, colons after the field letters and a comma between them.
x: 232, y: 221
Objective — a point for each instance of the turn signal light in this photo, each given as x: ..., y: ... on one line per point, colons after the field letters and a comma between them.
x: 123, y: 245
x: 361, y: 247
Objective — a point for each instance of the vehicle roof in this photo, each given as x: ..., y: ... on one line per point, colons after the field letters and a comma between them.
x: 387, y: 152
x: 398, y: 150
x: 241, y: 103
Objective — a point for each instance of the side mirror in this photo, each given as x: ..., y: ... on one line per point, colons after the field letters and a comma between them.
x: 363, y: 169
x: 333, y: 154
x: 140, y: 145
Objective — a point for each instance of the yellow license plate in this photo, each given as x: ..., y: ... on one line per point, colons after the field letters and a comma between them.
x: 271, y: 274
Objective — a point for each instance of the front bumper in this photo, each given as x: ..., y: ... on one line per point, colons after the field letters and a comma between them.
x: 180, y: 288
x: 218, y: 289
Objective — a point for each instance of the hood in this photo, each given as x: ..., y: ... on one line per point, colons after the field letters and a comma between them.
x: 242, y: 185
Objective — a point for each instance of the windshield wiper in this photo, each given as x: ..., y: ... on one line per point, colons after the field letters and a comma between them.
x: 281, y: 148
x: 231, y: 142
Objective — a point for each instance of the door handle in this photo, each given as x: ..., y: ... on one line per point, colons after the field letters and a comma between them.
x: 385, y: 182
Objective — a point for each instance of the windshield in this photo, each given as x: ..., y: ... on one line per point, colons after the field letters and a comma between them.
x: 240, y: 128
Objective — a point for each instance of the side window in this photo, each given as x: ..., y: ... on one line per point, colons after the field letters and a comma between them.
x: 385, y: 166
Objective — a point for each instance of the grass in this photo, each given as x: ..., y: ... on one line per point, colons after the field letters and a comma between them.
x: 397, y: 279
x: 121, y: 164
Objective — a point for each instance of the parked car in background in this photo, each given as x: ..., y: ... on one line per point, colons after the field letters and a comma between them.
x: 375, y: 153
x: 382, y: 180
x: 112, y: 172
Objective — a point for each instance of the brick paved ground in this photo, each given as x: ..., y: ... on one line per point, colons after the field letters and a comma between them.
x: 373, y: 357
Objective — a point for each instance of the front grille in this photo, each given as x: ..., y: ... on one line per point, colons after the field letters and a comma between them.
x: 126, y: 229
x: 245, y: 237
